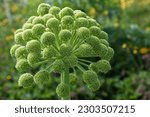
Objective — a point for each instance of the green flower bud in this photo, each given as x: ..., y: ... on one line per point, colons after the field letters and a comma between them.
x: 22, y: 65
x: 103, y: 41
x: 94, y: 86
x: 62, y: 90
x: 72, y: 78
x: 13, y: 49
x: 66, y: 11
x: 83, y: 33
x: 65, y: 50
x: 18, y: 31
x: 89, y: 77
x: 85, y: 50
x: 65, y: 35
x: 54, y: 10
x: 27, y: 26
x: 26, y: 80
x: 38, y: 20
x: 70, y: 61
x: 102, y: 50
x: 58, y: 65
x: 95, y: 31
x: 27, y: 35
x: 38, y: 29
x: 92, y: 22
x: 81, y: 22
x: 53, y: 24
x: 31, y: 19
x: 49, y: 52
x: 21, y: 52
x: 103, y: 66
x: 94, y: 42
x: 33, y: 46
x: 109, y: 54
x: 48, y: 38
x: 33, y: 59
x: 103, y: 35
x: 18, y: 38
x: 79, y: 13
x: 46, y: 17
x: 43, y: 9
x: 67, y: 22
x: 94, y: 67
x: 41, y: 77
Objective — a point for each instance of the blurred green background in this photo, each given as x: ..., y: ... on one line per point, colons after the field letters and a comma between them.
x: 126, y: 21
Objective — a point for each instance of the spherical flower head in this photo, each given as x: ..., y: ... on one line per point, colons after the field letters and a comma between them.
x: 67, y: 22
x: 109, y: 54
x: 89, y: 76
x: 81, y: 22
x: 105, y: 42
x: 43, y: 9
x: 70, y: 61
x: 58, y: 65
x: 65, y: 35
x: 103, y: 35
x: 103, y: 66
x: 18, y: 31
x: 33, y: 46
x: 49, y: 52
x: 62, y: 90
x: 27, y: 35
x: 53, y: 24
x: 94, y: 67
x: 33, y: 59
x: 30, y: 20
x: 48, y: 38
x: 22, y: 65
x: 85, y: 50
x: 18, y: 38
x: 65, y: 50
x: 79, y: 13
x: 26, y: 80
x: 54, y: 10
x: 42, y: 77
x: 38, y: 20
x: 92, y: 22
x: 83, y: 33
x: 72, y: 78
x: 95, y: 31
x: 21, y: 52
x: 94, y: 86
x: 27, y: 26
x: 38, y: 29
x: 66, y: 11
x: 46, y: 17
x: 13, y: 49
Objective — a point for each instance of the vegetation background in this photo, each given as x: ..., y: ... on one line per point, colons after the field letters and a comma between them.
x: 126, y: 21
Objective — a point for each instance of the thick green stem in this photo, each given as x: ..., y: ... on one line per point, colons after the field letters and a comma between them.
x: 65, y: 79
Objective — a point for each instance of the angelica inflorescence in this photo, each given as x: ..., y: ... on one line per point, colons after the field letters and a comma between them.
x: 61, y: 40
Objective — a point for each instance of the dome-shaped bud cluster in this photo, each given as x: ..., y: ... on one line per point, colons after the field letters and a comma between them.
x: 62, y: 90
x: 61, y: 40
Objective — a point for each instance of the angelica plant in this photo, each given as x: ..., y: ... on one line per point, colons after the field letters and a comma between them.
x: 61, y: 40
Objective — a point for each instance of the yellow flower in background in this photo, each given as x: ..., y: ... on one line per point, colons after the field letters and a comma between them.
x: 144, y: 50
x: 4, y: 22
x: 9, y: 77
x: 135, y: 51
x: 92, y: 12
x: 124, y: 45
x: 9, y: 37
x: 14, y: 8
x: 148, y: 28
x: 105, y: 12
x: 126, y: 3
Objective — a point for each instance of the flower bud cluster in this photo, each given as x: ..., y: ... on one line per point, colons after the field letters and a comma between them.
x: 65, y: 36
